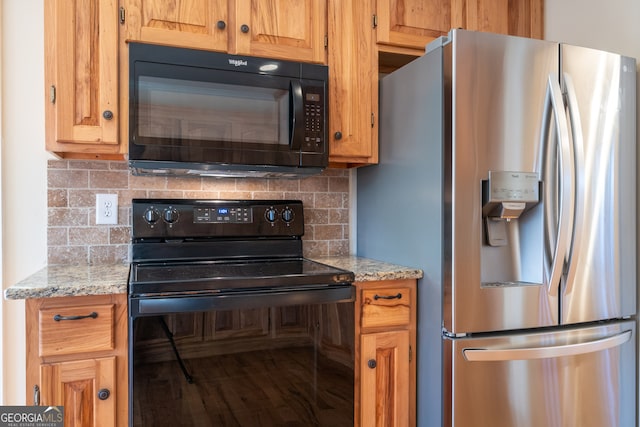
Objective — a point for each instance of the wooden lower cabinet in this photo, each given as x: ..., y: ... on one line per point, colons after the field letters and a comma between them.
x: 385, y: 370
x: 77, y: 358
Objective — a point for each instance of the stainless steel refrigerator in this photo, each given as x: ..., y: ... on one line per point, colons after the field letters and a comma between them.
x: 507, y: 173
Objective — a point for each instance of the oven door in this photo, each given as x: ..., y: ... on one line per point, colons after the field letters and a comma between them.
x: 243, y: 358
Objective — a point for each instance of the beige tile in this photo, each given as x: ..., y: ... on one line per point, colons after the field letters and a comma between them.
x: 314, y: 184
x: 58, y: 217
x: 119, y: 235
x: 316, y: 216
x: 88, y: 236
x: 329, y: 200
x: 338, y: 216
x: 109, y: 179
x: 184, y: 183
x: 64, y: 178
x: 57, y: 236
x: 57, y: 198
x: 252, y: 185
x: 72, y: 255
x: 327, y: 232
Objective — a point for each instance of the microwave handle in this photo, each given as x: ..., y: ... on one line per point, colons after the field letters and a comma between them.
x: 296, y: 118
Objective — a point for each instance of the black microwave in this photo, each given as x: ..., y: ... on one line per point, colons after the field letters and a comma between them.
x: 208, y: 113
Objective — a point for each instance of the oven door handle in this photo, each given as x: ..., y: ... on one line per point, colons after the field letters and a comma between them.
x: 153, y: 306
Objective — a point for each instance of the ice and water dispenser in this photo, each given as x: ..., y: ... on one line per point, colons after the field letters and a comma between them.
x: 513, y: 234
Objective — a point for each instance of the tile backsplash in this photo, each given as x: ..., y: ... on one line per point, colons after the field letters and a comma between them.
x: 74, y: 238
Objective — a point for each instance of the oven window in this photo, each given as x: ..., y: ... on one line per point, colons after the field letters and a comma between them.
x: 179, y: 111
x: 267, y: 366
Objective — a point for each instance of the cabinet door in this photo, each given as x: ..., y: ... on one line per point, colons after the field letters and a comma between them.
x: 353, y: 84
x: 200, y: 24
x: 81, y: 76
x: 384, y: 379
x: 517, y: 18
x: 80, y: 386
x: 414, y: 23
x: 288, y: 29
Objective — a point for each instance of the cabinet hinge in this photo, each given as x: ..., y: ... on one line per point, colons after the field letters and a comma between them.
x: 374, y: 21
x: 122, y: 15
x: 52, y: 94
x: 326, y: 41
x: 410, y: 354
x: 373, y: 120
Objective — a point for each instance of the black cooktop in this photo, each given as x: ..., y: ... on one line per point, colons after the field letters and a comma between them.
x: 197, y: 246
x: 230, y: 276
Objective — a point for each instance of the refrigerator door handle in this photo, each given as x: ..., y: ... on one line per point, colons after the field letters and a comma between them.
x: 577, y: 207
x: 489, y: 354
x: 565, y: 188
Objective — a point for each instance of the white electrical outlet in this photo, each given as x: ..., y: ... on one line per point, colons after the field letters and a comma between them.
x: 106, y: 208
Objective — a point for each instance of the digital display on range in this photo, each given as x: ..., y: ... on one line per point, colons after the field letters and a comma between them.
x: 237, y: 215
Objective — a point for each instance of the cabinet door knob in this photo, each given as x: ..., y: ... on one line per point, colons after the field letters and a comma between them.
x: 337, y: 135
x: 244, y: 28
x: 103, y: 394
x: 107, y: 114
x: 371, y: 363
x: 221, y: 25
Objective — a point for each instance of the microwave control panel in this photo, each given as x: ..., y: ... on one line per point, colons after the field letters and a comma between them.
x: 313, y: 120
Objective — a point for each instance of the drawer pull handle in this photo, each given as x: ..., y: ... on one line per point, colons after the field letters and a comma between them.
x: 36, y: 395
x: 397, y: 296
x: 58, y: 317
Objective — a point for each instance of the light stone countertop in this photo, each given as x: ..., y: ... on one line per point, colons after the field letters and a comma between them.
x: 79, y: 280
x: 71, y: 280
x: 368, y: 270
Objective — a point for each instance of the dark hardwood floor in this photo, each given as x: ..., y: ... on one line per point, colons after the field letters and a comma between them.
x: 284, y: 387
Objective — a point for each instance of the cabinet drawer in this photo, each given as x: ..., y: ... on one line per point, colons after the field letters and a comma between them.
x: 386, y: 307
x: 78, y: 329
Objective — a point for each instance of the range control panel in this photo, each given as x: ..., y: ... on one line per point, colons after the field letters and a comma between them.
x: 189, y: 218
x: 223, y: 214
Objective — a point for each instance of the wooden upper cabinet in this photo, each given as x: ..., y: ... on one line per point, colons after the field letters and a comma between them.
x: 289, y: 29
x: 286, y: 29
x: 199, y: 24
x: 514, y: 17
x: 412, y: 24
x: 81, y: 78
x: 353, y: 84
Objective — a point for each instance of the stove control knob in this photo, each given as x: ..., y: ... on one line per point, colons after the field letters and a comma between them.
x: 271, y: 215
x: 287, y: 215
x: 170, y: 215
x: 151, y: 216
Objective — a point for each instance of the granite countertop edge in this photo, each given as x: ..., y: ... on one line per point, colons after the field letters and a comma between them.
x: 84, y: 280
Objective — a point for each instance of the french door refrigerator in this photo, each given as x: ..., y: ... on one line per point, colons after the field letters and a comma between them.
x: 507, y: 173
